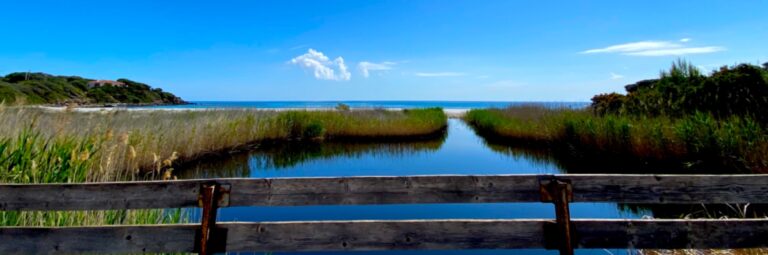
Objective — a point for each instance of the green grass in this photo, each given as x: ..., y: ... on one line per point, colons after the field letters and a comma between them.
x: 43, y: 146
x: 697, y: 142
x: 147, y: 144
x: 31, y: 158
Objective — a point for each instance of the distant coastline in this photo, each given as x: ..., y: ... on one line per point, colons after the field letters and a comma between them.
x: 371, y: 104
x: 27, y: 88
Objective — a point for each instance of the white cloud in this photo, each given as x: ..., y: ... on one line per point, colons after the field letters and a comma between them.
x: 655, y: 49
x: 677, y: 51
x: 440, y: 74
x: 615, y: 76
x: 322, y: 66
x: 366, y: 67
x: 632, y: 47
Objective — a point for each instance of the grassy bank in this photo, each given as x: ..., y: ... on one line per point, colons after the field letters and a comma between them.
x: 147, y: 144
x: 43, y: 146
x: 29, y: 157
x: 693, y: 143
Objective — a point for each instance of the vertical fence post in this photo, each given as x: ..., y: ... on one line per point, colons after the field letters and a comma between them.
x: 210, y: 239
x: 560, y: 193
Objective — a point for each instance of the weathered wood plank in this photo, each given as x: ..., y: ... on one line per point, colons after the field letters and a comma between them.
x: 390, y: 235
x: 670, y: 189
x: 672, y: 234
x: 98, y: 240
x: 385, y: 190
x: 493, y: 234
x: 95, y: 196
x: 659, y: 189
x: 385, y: 235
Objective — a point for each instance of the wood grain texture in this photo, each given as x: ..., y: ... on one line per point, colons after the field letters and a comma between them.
x: 647, y: 189
x: 96, y: 196
x: 672, y: 234
x: 670, y: 189
x: 389, y: 235
x: 97, y: 240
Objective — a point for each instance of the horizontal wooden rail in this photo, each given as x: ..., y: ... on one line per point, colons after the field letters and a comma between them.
x: 389, y: 235
x: 654, y: 189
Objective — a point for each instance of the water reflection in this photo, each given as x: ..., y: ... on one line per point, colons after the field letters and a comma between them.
x: 580, y: 162
x: 459, y: 151
x: 284, y: 155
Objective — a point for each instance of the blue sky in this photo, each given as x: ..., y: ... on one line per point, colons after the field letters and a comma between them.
x: 379, y: 50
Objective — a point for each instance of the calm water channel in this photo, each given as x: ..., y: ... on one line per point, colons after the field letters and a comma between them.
x: 460, y: 151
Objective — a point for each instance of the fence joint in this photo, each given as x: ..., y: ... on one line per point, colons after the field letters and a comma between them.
x: 209, y: 239
x: 560, y: 193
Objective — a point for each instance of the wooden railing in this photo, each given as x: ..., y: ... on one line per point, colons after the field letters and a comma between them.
x: 561, y: 233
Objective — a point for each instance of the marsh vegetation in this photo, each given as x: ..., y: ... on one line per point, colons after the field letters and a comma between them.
x: 683, y: 122
x: 43, y: 146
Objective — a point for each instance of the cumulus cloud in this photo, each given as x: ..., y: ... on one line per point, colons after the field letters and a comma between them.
x: 655, y: 48
x: 615, y: 76
x: 366, y: 67
x: 322, y: 67
x: 440, y: 74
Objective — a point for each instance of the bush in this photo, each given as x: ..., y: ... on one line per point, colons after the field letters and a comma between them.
x: 608, y: 103
x: 741, y: 90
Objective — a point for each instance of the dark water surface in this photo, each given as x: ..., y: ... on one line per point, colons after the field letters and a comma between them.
x: 460, y: 151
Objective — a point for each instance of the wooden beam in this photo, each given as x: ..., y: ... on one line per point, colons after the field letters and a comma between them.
x: 98, y: 240
x: 389, y: 235
x: 647, y: 189
x: 670, y: 189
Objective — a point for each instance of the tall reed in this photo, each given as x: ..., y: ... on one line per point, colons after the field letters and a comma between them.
x: 44, y: 146
x: 697, y: 141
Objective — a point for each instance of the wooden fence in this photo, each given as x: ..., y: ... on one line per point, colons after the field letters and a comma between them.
x: 560, y: 233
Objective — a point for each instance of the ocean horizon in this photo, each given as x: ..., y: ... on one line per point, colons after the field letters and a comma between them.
x: 402, y: 104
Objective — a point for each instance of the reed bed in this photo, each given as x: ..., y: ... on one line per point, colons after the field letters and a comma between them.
x: 696, y: 141
x: 31, y: 158
x: 135, y: 144
x: 51, y: 146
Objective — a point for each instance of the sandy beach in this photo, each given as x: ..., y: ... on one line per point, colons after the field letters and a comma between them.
x: 451, y: 113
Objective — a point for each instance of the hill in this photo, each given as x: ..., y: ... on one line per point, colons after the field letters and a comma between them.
x: 42, y: 88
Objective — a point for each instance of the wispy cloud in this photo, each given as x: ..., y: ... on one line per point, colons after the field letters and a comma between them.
x: 440, y: 74
x: 633, y: 47
x: 366, y: 67
x: 615, y: 76
x: 322, y: 66
x: 655, y: 48
x: 677, y: 51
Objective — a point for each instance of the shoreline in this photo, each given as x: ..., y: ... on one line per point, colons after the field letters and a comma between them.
x: 450, y: 113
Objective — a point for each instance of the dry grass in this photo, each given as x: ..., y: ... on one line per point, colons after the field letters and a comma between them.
x: 43, y: 146
x: 135, y: 144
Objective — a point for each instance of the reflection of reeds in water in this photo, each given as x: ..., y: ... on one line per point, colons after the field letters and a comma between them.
x: 696, y: 143
x: 39, y: 146
x: 546, y: 154
x: 279, y: 155
x: 134, y: 141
